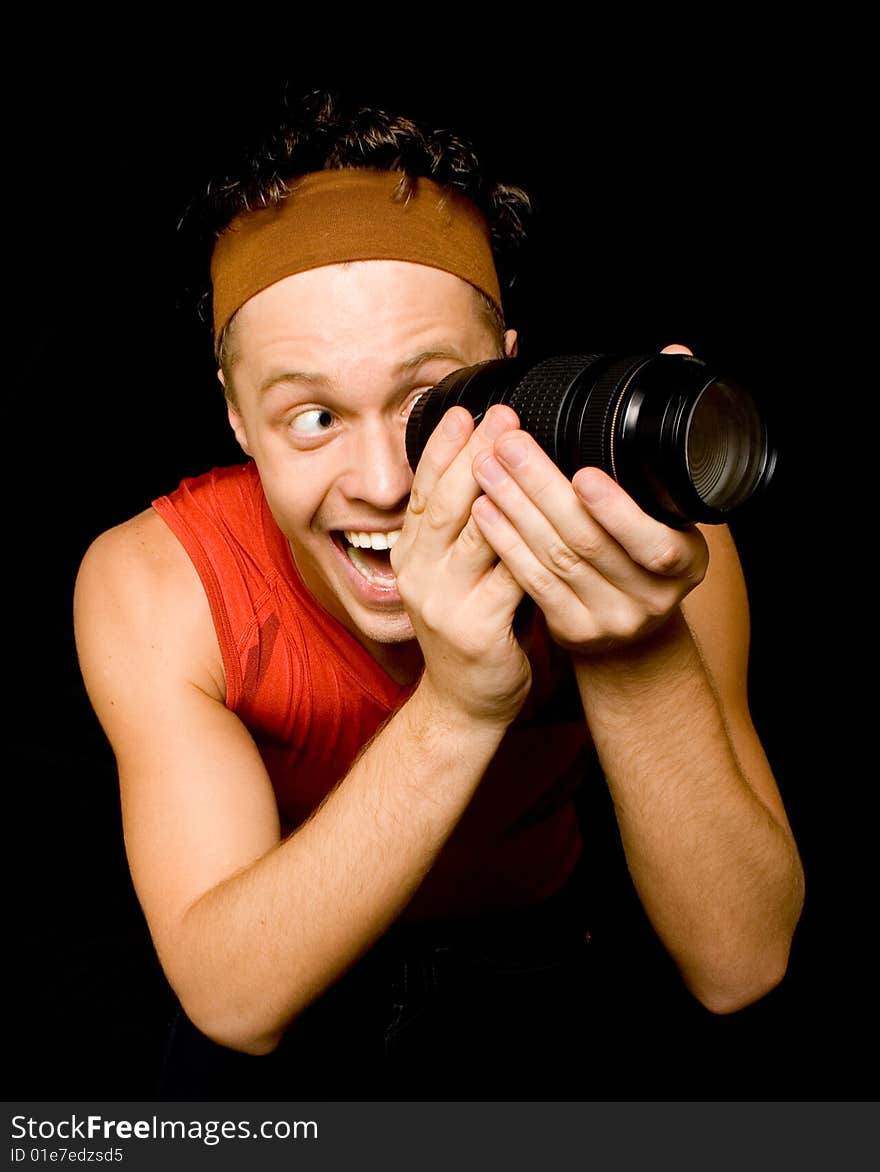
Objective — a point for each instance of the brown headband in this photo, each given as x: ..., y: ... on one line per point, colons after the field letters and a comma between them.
x: 335, y: 216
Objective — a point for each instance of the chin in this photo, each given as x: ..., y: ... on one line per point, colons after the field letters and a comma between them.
x: 385, y: 630
x: 372, y: 612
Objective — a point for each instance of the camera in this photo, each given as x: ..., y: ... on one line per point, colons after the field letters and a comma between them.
x: 687, y: 443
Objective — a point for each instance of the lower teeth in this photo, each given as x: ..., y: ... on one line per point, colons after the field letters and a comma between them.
x: 354, y: 556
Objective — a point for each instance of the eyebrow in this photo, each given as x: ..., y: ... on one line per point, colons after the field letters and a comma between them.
x: 442, y: 353
x: 448, y: 352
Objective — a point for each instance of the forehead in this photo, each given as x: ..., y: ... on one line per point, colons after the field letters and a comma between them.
x: 364, y: 308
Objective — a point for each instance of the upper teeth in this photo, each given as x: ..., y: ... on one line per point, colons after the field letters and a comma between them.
x: 371, y: 540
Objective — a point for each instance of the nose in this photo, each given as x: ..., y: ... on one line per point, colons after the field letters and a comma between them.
x: 379, y: 473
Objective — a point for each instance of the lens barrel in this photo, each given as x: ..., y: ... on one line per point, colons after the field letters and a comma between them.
x: 686, y: 444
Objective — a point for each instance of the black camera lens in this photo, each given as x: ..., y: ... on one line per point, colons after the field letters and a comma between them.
x: 687, y: 444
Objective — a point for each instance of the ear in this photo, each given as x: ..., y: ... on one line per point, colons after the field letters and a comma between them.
x: 510, y: 343
x: 236, y: 422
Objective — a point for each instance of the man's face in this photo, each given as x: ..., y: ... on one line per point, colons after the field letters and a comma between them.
x: 327, y: 366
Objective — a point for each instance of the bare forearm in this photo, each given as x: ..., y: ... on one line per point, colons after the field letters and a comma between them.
x: 265, y: 943
x: 717, y: 872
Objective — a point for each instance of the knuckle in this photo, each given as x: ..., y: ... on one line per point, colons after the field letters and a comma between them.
x: 659, y: 604
x: 432, y: 614
x: 589, y: 547
x: 562, y: 558
x: 470, y: 538
x: 667, y: 559
x: 469, y: 646
x: 437, y: 512
x: 542, y: 582
x: 627, y: 622
x: 575, y: 632
x: 417, y: 500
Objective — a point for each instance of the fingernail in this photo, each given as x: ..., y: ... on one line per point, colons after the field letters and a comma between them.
x: 496, y: 423
x: 486, y: 511
x: 514, y: 451
x: 488, y: 469
x: 591, y: 487
x: 453, y: 424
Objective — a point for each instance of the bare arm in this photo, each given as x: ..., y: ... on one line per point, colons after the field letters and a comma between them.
x: 703, y: 827
x: 701, y: 819
x: 250, y: 929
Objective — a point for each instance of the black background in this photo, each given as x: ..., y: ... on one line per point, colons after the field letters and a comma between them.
x: 707, y: 195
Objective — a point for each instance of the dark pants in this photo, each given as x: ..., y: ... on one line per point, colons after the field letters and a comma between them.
x: 490, y: 1009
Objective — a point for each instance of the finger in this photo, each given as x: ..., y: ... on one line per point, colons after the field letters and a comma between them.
x: 638, y: 555
x: 499, y: 582
x: 444, y: 443
x: 570, y: 545
x: 444, y: 512
x: 502, y: 592
x: 676, y: 348
x: 446, y: 440
x: 671, y: 553
x: 582, y: 609
x: 541, y: 504
x: 472, y: 556
x: 552, y: 594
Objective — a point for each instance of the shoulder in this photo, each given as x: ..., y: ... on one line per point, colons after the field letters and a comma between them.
x: 136, y: 591
x: 142, y: 545
x: 140, y: 561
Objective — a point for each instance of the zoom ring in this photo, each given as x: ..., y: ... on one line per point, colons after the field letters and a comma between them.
x: 595, y: 438
x: 539, y: 396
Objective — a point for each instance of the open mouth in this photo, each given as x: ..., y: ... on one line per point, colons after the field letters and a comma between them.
x: 370, y: 554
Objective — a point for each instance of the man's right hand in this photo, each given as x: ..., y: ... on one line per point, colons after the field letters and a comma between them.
x: 252, y: 925
x: 460, y: 598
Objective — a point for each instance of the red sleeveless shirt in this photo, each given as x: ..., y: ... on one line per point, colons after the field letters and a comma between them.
x: 312, y: 696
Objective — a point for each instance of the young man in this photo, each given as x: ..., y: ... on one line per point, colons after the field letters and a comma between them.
x: 347, y: 751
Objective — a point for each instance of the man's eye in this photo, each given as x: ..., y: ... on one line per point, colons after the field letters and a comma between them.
x: 407, y: 411
x: 313, y: 422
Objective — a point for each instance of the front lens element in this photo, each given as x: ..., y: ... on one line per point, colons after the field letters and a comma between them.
x: 726, y: 445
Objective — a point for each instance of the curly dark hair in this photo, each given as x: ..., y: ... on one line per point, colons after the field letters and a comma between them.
x: 325, y: 131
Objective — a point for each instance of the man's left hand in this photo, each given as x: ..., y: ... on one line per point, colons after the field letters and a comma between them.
x: 604, y: 572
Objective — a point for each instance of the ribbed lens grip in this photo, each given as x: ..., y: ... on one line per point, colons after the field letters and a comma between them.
x: 542, y: 399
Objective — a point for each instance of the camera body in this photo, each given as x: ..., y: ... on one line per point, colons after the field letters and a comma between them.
x: 687, y: 444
